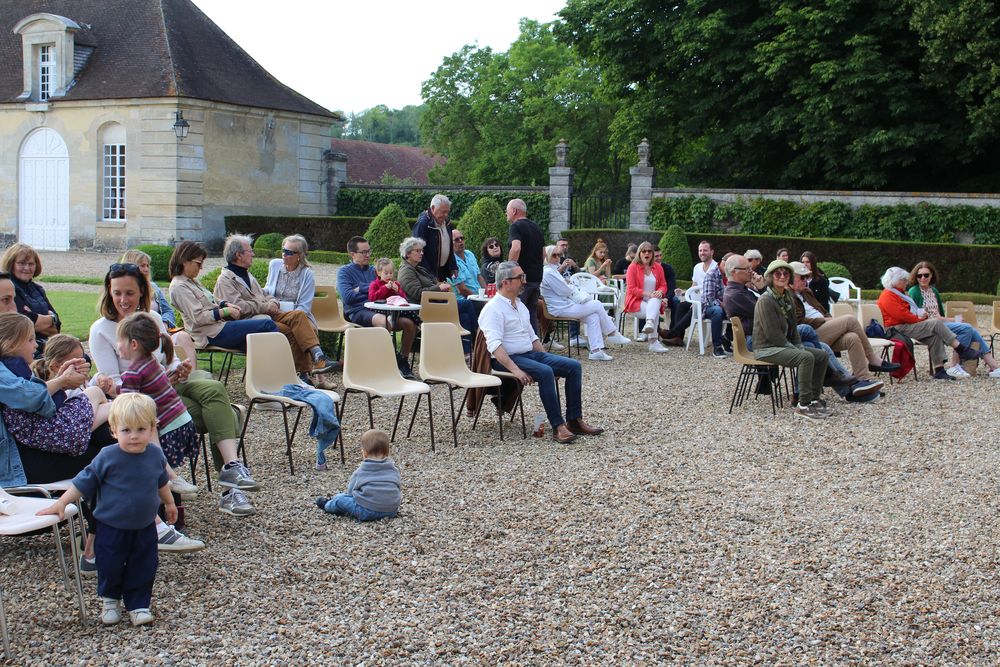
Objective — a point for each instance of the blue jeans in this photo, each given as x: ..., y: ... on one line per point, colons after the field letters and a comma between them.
x: 544, y: 368
x: 345, y: 505
x: 811, y: 339
x: 715, y: 315
x: 967, y: 335
x: 234, y: 334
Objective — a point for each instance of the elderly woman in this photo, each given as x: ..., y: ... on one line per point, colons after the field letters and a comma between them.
x: 899, y: 310
x: 645, y: 290
x: 415, y: 279
x: 126, y: 291
x: 925, y: 294
x: 599, y: 263
x: 209, y: 322
x: 560, y: 299
x: 776, y: 340
x: 290, y: 280
x: 756, y: 269
x: 24, y: 265
x: 159, y: 303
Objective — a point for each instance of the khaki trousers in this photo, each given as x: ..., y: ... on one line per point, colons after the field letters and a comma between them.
x: 845, y: 333
x: 301, y: 335
x: 935, y: 334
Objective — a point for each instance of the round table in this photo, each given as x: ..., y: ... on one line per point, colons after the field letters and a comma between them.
x: 481, y: 298
x: 392, y: 311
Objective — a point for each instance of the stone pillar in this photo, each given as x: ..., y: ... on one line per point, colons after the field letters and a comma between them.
x: 335, y: 165
x: 560, y: 191
x: 642, y: 189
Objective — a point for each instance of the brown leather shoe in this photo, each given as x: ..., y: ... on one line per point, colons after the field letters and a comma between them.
x: 563, y: 435
x: 676, y: 341
x: 580, y: 427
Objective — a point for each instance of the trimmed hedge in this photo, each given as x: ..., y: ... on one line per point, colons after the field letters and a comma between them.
x: 360, y: 202
x: 266, y: 245
x: 321, y: 232
x: 927, y: 223
x: 676, y: 252
x: 485, y: 219
x: 159, y: 259
x: 961, y: 267
x: 387, y: 232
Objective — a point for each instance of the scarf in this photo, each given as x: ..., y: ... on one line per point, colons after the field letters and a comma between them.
x: 914, y: 308
x: 784, y: 302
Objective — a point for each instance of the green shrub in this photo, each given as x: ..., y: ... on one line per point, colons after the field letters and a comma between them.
x: 835, y: 270
x: 387, y: 231
x: 676, y: 252
x: 321, y: 232
x: 267, y: 245
x: 159, y: 259
x: 998, y: 288
x: 258, y: 269
x: 484, y: 219
x: 329, y: 257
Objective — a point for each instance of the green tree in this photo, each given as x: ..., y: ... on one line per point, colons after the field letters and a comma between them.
x: 386, y: 231
x: 497, y: 116
x: 485, y: 218
x: 383, y: 125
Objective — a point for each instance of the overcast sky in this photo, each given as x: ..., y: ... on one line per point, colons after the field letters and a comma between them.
x: 351, y: 56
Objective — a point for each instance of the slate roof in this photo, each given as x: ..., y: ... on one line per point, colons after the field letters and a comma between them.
x: 367, y: 161
x: 150, y: 48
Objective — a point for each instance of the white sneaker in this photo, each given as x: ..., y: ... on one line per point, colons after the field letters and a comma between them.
x: 182, y: 487
x: 111, y: 613
x: 171, y: 539
x: 140, y: 616
x: 642, y: 338
x: 600, y: 355
x: 618, y: 339
x: 995, y: 373
x: 657, y: 346
x: 578, y: 341
x: 957, y: 371
x: 556, y: 345
x: 648, y: 327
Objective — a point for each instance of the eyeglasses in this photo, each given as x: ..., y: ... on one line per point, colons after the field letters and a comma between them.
x: 363, y: 252
x: 289, y: 253
x: 923, y: 275
x: 518, y: 277
x: 459, y: 238
x: 122, y: 269
x: 741, y: 268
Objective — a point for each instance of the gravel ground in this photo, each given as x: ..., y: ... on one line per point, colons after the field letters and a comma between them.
x: 681, y: 535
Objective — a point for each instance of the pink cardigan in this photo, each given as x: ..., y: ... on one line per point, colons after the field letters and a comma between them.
x: 635, y: 277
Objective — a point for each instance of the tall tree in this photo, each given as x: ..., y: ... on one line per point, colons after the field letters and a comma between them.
x: 497, y: 116
x: 384, y: 125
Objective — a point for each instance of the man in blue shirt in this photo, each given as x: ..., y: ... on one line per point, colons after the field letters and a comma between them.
x: 468, y: 281
x: 352, y: 284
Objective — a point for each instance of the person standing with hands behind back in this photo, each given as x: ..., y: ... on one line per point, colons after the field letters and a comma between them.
x: 131, y: 481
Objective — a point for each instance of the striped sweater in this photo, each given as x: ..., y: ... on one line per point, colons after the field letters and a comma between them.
x: 146, y: 376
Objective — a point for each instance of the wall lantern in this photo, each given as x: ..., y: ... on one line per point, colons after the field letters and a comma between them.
x: 181, y: 126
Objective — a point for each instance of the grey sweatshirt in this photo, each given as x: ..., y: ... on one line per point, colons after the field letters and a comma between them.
x: 375, y: 485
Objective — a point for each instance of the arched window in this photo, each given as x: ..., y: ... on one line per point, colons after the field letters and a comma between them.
x: 113, y: 173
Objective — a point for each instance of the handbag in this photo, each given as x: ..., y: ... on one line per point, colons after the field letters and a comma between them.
x: 874, y: 329
x: 579, y: 296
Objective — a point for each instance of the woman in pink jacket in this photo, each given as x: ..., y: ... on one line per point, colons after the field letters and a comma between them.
x: 645, y: 289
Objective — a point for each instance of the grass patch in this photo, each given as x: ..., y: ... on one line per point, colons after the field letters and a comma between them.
x: 80, y: 280
x: 77, y: 310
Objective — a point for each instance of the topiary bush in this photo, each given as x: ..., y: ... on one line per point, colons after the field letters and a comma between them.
x: 676, y: 252
x: 329, y: 257
x: 159, y: 259
x: 268, y: 245
x: 484, y: 219
x: 258, y: 269
x: 387, y: 231
x: 835, y: 270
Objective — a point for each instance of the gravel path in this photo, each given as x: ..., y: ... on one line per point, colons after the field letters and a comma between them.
x: 683, y: 534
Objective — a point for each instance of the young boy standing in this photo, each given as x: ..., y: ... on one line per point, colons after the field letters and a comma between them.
x: 130, y: 482
x: 374, y: 490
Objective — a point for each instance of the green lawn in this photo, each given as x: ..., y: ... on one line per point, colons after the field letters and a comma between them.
x: 77, y: 310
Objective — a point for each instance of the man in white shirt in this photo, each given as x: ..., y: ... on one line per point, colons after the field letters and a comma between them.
x: 515, y: 348
x: 706, y: 263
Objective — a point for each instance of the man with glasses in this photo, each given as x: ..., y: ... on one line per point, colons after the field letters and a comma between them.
x: 526, y: 247
x: 236, y: 285
x: 436, y: 230
x: 352, y: 284
x: 515, y: 348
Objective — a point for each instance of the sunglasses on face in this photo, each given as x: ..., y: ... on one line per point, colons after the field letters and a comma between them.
x: 923, y: 275
x: 289, y: 253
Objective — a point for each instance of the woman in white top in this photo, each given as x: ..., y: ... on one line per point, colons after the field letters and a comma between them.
x: 290, y: 280
x: 559, y: 299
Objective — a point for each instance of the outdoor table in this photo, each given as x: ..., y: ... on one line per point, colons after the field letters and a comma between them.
x: 391, y: 312
x: 481, y: 298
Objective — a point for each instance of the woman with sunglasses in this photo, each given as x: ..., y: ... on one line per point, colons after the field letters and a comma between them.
x: 925, y: 294
x: 491, y: 254
x: 645, y: 290
x: 290, y: 280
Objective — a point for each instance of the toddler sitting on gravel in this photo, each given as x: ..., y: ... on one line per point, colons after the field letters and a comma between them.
x: 374, y: 490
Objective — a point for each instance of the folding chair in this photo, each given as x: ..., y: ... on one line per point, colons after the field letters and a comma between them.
x: 443, y: 362
x: 326, y: 310
x: 370, y: 369
x: 269, y: 368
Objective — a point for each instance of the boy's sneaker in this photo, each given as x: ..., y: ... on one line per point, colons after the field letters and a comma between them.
x: 321, y: 502
x: 88, y: 567
x: 235, y: 502
x: 140, y: 616
x: 995, y: 373
x: 182, y: 487
x: 174, y: 540
x: 234, y: 475
x: 957, y: 371
x: 809, y: 412
x: 111, y: 614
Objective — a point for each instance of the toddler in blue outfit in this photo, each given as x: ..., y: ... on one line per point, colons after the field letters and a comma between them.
x: 130, y: 482
x: 374, y: 490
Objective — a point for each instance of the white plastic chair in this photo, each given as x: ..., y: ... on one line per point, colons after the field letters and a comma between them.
x: 847, y: 290
x: 698, y: 323
x: 269, y: 368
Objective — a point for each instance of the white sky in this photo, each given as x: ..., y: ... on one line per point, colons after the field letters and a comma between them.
x: 352, y: 56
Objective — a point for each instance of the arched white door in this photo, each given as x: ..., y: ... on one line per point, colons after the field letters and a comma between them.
x: 43, y: 191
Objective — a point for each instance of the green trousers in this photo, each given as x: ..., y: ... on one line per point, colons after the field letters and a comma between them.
x: 208, y: 403
x: 810, y: 364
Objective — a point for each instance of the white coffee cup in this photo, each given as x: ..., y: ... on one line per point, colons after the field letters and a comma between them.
x: 482, y: 291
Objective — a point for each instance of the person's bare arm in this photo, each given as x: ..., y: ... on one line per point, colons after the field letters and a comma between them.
x: 71, y: 495
x: 515, y: 250
x: 169, y: 508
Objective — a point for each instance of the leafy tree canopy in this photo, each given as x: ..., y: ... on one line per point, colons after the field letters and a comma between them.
x: 383, y: 125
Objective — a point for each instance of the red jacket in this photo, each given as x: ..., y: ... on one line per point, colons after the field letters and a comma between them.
x: 379, y: 291
x: 895, y: 310
x: 635, y: 278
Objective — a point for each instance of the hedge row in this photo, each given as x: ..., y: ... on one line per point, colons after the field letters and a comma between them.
x: 961, y: 268
x: 326, y: 232
x: 928, y: 223
x: 360, y: 202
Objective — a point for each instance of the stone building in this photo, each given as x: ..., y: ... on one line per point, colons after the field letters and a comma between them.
x: 94, y: 98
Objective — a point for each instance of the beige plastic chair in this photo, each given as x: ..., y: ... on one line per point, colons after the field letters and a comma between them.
x: 752, y: 368
x: 870, y: 311
x: 208, y: 353
x: 841, y: 308
x: 269, y: 368
x: 443, y: 362
x: 440, y: 307
x: 966, y: 309
x: 328, y: 315
x: 24, y: 521
x: 370, y: 369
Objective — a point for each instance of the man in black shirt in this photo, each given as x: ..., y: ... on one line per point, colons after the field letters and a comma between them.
x: 526, y: 247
